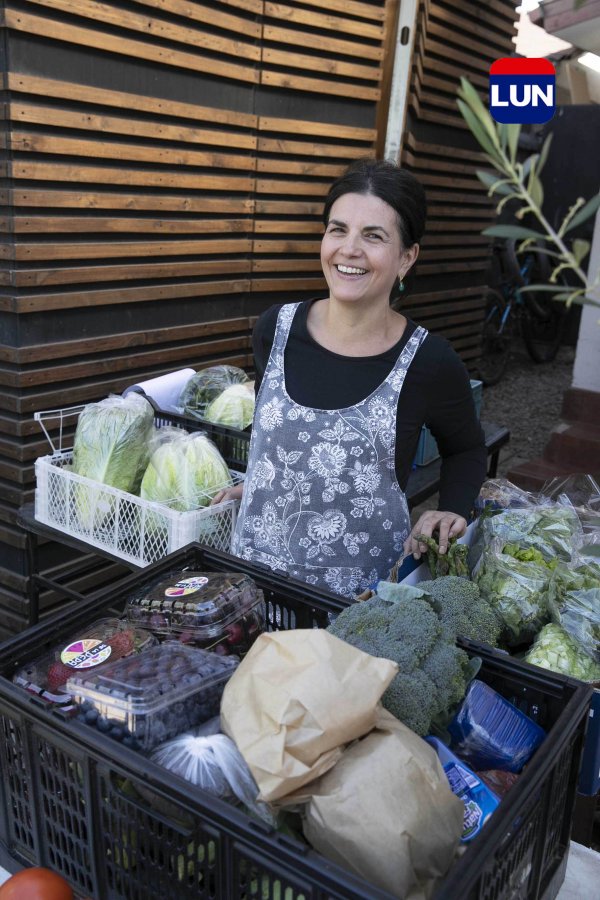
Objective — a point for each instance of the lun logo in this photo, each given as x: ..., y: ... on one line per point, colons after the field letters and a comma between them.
x: 522, y: 91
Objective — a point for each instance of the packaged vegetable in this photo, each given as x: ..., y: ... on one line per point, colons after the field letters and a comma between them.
x: 514, y: 581
x: 233, y: 407
x: 146, y: 699
x: 574, y: 603
x: 185, y: 473
x: 556, y: 650
x: 478, y: 799
x: 385, y: 811
x: 499, y: 493
x: 489, y: 732
x: 112, y: 441
x: 203, y: 387
x: 92, y: 647
x: 220, y: 611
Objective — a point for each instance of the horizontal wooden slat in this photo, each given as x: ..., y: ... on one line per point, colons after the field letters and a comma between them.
x: 320, y: 64
x: 308, y: 40
x: 93, y: 200
x: 66, y: 118
x: 128, y: 272
x: 103, y: 149
x: 271, y: 186
x: 102, y: 224
x: 284, y: 147
x: 110, y: 175
x: 93, y: 38
x: 272, y: 226
x: 59, y: 250
x: 293, y: 81
x: 48, y: 302
x: 286, y: 265
x: 300, y: 16
x: 315, y: 129
x: 154, y: 27
x: 258, y: 285
x: 208, y: 15
x: 303, y: 167
x: 350, y: 8
x: 122, y: 100
x: 274, y: 247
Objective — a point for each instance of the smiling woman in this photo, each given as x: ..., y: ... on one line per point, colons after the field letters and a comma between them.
x: 344, y: 384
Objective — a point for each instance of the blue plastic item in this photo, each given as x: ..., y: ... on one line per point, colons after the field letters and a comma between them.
x: 589, y: 777
x: 488, y: 732
x: 480, y: 802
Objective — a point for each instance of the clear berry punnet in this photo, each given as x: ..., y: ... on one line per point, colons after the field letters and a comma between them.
x: 102, y: 641
x: 147, y: 699
x: 219, y: 611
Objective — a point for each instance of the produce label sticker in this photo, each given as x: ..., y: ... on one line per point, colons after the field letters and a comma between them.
x: 85, y: 654
x: 186, y: 586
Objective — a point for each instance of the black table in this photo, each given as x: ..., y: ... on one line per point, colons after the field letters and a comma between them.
x: 423, y: 482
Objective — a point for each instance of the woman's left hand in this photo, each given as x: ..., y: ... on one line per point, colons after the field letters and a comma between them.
x: 448, y: 524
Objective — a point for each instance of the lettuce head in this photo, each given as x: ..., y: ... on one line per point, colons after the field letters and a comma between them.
x: 185, y: 473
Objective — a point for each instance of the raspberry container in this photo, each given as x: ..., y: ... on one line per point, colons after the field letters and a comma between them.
x: 146, y: 699
x: 220, y: 611
x: 103, y: 641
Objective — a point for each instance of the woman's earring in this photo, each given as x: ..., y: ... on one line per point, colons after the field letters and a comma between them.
x: 400, y: 284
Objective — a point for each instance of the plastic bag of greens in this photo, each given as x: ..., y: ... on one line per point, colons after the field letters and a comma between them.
x: 499, y: 494
x: 552, y: 529
x: 112, y: 441
x: 555, y: 649
x: 206, y: 385
x: 185, y: 473
x: 514, y: 580
x: 579, y: 491
x: 574, y: 603
x: 234, y: 407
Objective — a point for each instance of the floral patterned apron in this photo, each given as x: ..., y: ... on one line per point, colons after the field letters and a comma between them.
x: 321, y: 500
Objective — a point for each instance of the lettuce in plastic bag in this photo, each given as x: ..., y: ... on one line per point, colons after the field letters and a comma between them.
x: 206, y: 385
x: 574, y: 602
x: 555, y: 649
x: 185, y: 473
x: 233, y: 407
x: 517, y: 589
x: 112, y: 441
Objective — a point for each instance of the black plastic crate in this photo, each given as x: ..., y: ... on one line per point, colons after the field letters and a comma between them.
x: 118, y: 826
x: 233, y: 443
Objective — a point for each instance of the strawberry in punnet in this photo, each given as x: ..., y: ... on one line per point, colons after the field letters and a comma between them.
x: 122, y: 644
x: 57, y: 676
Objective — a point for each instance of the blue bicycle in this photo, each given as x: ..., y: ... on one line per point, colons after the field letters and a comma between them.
x: 509, y: 310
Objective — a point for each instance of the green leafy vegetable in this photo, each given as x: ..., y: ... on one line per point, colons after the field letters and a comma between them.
x: 206, y: 385
x: 112, y: 441
x: 233, y: 407
x: 555, y: 649
x: 185, y: 473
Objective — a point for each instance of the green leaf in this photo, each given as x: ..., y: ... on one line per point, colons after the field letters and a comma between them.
x: 536, y: 191
x: 581, y: 249
x: 496, y: 185
x: 529, y: 163
x: 474, y: 100
x: 513, y: 141
x: 503, y: 135
x: 539, y: 287
x: 478, y: 132
x: 513, y: 231
x: 588, y: 210
x: 544, y: 153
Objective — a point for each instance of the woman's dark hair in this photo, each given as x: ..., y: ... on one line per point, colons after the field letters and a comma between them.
x: 395, y: 186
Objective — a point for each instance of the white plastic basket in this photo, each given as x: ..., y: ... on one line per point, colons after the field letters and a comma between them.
x: 136, y: 530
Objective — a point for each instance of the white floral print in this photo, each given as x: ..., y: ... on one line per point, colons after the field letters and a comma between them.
x: 307, y: 487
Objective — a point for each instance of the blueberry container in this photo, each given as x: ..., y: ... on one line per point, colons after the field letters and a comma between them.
x: 220, y: 611
x: 146, y: 699
x: 92, y: 647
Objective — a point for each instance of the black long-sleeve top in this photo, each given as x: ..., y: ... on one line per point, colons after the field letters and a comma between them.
x: 436, y: 392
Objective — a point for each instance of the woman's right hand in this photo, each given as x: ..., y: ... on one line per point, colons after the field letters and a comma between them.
x: 232, y: 493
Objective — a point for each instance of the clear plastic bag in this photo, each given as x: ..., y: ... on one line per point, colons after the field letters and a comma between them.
x: 214, y: 763
x: 185, y: 472
x: 517, y: 589
x: 206, y: 385
x: 499, y: 493
x: 574, y: 603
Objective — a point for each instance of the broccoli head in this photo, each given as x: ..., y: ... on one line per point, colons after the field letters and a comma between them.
x: 433, y: 672
x: 462, y: 609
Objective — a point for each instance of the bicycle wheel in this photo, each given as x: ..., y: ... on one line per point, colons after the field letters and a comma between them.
x: 543, y: 319
x: 496, y: 338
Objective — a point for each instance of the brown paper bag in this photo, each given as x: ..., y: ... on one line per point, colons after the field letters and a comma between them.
x: 386, y: 812
x: 295, y: 700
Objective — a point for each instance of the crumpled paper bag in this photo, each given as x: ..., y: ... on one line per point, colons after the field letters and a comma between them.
x: 294, y: 702
x: 385, y: 811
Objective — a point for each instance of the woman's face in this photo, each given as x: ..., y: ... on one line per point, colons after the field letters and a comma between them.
x: 361, y: 251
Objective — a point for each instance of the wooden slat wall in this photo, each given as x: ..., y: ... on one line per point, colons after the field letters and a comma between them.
x: 454, y: 38
x: 163, y: 166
